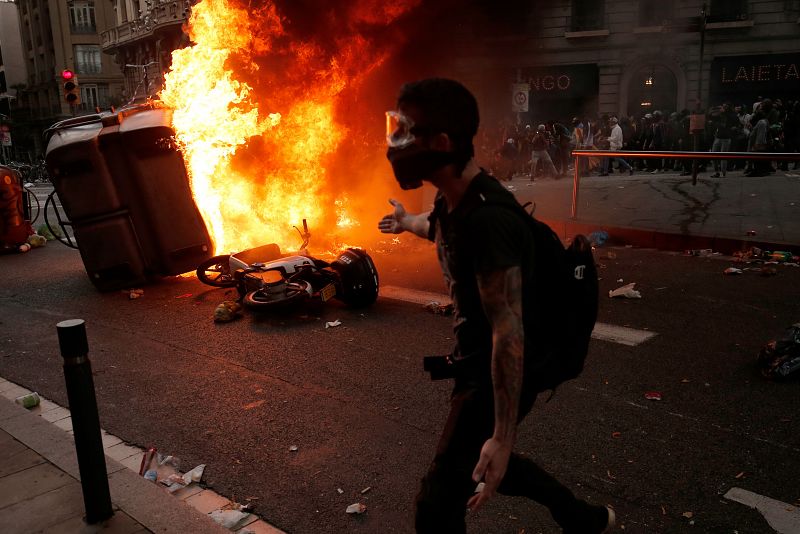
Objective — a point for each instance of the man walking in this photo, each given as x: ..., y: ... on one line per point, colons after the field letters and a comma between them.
x: 486, y: 256
x: 615, y: 143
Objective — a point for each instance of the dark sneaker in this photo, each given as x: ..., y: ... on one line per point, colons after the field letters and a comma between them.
x: 591, y: 520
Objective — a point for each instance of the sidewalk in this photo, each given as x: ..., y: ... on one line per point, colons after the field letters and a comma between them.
x: 40, y: 488
x: 665, y: 211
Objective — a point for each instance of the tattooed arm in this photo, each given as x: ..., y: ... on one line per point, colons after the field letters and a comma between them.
x: 501, y: 295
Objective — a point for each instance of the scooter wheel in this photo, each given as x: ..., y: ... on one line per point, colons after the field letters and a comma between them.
x: 263, y: 299
x: 216, y: 272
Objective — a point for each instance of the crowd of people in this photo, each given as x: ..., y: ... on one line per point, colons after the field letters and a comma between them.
x: 544, y: 150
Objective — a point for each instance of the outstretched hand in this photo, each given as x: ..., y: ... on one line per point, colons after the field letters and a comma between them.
x: 491, y: 468
x: 392, y: 223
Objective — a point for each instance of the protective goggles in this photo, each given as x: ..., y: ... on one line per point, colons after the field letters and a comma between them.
x: 401, y: 130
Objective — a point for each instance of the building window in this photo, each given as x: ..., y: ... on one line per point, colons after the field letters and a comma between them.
x: 88, y: 59
x: 727, y: 10
x: 90, y: 98
x: 654, y: 12
x: 94, y: 96
x: 588, y: 15
x: 81, y: 16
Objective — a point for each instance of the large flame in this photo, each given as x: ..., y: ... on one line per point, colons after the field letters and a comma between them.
x: 255, y: 115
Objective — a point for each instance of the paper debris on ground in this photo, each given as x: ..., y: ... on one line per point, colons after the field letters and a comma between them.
x: 365, y: 490
x: 227, y: 311
x: 357, y: 508
x: 293, y: 448
x: 333, y: 324
x: 626, y: 291
x: 228, y: 518
x: 194, y: 475
x: 438, y: 308
x: 653, y: 395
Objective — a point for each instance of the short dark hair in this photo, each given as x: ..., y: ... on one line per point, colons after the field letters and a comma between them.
x: 447, y: 107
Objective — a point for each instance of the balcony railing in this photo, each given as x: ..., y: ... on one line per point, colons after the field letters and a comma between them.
x: 163, y: 14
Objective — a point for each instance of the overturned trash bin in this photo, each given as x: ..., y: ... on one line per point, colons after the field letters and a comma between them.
x: 124, y: 187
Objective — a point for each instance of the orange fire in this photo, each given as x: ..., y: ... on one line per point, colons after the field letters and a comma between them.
x: 255, y: 115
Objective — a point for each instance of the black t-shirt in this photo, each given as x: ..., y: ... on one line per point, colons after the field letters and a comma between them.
x: 477, y: 238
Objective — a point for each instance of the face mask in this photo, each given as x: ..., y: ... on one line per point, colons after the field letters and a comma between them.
x: 413, y: 164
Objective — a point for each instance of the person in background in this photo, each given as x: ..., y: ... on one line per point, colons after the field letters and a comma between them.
x: 725, y: 125
x: 616, y: 142
x: 562, y: 142
x: 540, y: 146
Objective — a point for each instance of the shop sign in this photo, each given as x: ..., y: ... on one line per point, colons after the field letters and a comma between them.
x: 569, y: 81
x: 767, y: 73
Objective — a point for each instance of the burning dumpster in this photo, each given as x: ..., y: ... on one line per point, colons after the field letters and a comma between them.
x: 123, y: 185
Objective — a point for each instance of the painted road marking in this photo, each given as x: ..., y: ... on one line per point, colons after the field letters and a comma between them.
x: 605, y: 332
x: 784, y: 518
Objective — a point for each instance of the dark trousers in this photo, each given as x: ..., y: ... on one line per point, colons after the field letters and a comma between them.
x: 448, y: 485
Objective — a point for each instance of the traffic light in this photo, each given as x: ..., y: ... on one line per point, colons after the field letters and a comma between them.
x: 72, y: 93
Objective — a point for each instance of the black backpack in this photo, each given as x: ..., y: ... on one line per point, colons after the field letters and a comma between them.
x: 565, y: 284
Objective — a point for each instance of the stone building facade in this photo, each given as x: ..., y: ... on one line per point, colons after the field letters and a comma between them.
x: 142, y: 38
x: 62, y: 35
x: 623, y: 57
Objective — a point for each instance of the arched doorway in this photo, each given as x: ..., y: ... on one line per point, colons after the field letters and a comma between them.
x: 652, y: 88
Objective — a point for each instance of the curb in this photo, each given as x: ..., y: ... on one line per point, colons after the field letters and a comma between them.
x: 47, y: 430
x: 660, y: 240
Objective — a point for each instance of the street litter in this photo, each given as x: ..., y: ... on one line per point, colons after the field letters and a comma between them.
x: 688, y: 515
x: 780, y: 358
x: 36, y: 240
x: 147, y: 458
x: 598, y: 238
x: 184, y: 296
x: 733, y: 270
x: 740, y: 475
x: 653, y: 395
x: 620, y: 280
x: 293, y: 448
x: 333, y: 324
x: 339, y: 491
x: 227, y: 311
x: 228, y: 518
x: 135, y: 293
x: 194, y: 475
x: 44, y: 231
x: 702, y: 252
x: 626, y: 291
x: 357, y: 508
x: 31, y: 400
x: 365, y: 490
x: 438, y: 308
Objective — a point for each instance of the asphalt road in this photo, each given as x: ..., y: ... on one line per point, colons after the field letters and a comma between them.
x: 355, y: 401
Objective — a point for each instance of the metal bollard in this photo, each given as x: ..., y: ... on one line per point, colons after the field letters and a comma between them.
x: 85, y: 420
